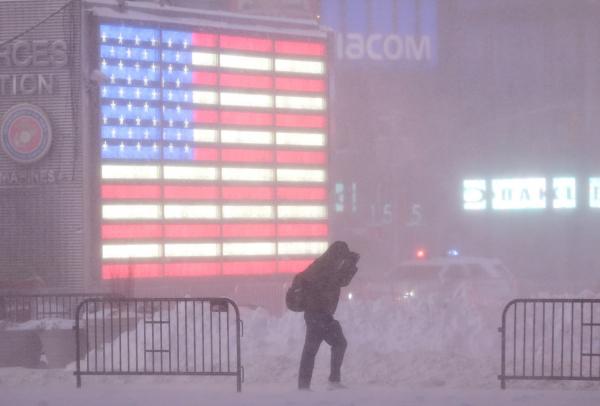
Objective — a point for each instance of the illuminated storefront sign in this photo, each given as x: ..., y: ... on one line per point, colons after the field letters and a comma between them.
x: 397, y: 31
x: 526, y: 193
x: 213, y: 152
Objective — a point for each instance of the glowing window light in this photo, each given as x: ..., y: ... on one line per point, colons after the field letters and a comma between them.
x: 300, y: 175
x: 246, y: 137
x: 296, y: 66
x: 474, y: 194
x: 247, y: 174
x: 301, y: 212
x: 299, y: 102
x: 204, y: 97
x: 190, y: 173
x: 301, y: 247
x: 245, y: 62
x: 246, y: 99
x: 300, y: 139
x: 131, y: 211
x: 193, y: 250
x: 565, y: 193
x: 519, y: 193
x: 124, y: 251
x: 204, y: 59
x: 130, y: 172
x: 248, y: 248
x: 248, y: 212
x: 205, y: 135
x: 191, y: 211
x: 594, y: 193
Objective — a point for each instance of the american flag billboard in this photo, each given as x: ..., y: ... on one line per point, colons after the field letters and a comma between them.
x: 213, y: 151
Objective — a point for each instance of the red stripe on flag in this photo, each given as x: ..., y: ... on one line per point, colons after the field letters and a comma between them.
x: 200, y: 39
x: 300, y: 84
x: 246, y: 155
x: 249, y: 230
x: 130, y: 191
x: 301, y: 157
x: 246, y: 43
x: 300, y: 48
x: 302, y: 230
x: 120, y: 271
x: 206, y: 116
x: 300, y: 120
x: 204, y: 78
x: 131, y: 231
x: 301, y: 193
x: 293, y: 266
x: 249, y: 268
x: 245, y: 81
x: 246, y: 118
x: 191, y: 230
x: 188, y: 269
x: 247, y: 193
x: 206, y: 154
x: 191, y: 192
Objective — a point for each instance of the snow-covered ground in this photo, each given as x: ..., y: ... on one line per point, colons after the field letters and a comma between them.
x: 409, y: 353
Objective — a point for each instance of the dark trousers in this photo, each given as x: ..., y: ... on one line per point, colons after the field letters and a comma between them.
x: 319, y: 328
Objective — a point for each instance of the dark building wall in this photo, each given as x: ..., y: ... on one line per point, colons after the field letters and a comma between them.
x: 41, y: 218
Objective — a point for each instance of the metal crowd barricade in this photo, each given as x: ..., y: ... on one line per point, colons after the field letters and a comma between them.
x: 159, y: 336
x: 550, y: 339
x: 20, y: 308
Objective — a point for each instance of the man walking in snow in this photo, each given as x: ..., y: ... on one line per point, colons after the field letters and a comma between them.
x: 320, y: 286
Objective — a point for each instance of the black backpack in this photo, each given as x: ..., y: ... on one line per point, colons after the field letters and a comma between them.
x: 295, y: 297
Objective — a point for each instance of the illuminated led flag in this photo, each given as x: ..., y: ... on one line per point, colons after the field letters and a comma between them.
x: 213, y: 151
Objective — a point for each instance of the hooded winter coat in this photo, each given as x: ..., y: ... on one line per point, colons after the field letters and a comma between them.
x: 325, y: 277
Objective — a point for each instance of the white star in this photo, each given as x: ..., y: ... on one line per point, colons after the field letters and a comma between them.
x: 169, y: 43
x: 121, y: 119
x: 105, y: 119
x: 105, y: 146
x: 145, y: 80
x: 137, y: 40
x: 138, y: 93
x: 129, y: 106
x: 185, y: 68
x: 121, y: 91
x: 113, y: 78
x: 128, y: 52
x: 138, y: 146
x: 120, y: 65
x: 113, y: 105
x: 128, y: 79
x: 146, y: 106
x: 185, y: 44
x: 138, y: 121
x: 186, y: 123
x: 153, y: 41
x: 177, y: 83
x: 120, y: 37
x: 103, y: 37
x: 122, y: 146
